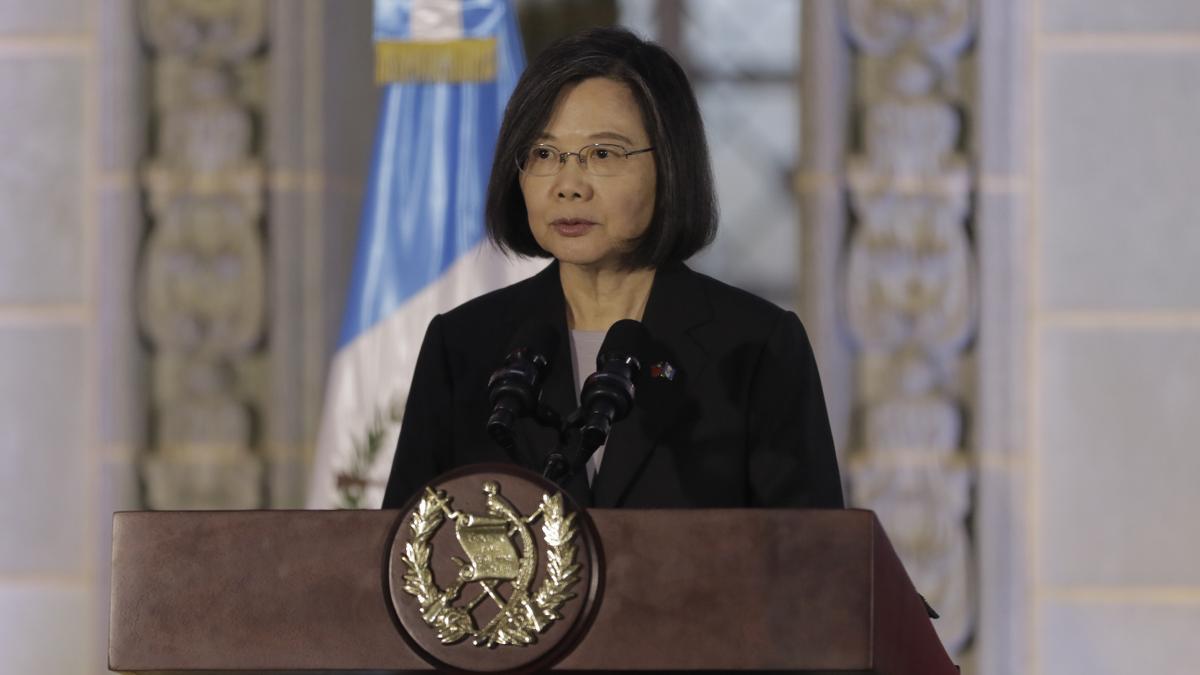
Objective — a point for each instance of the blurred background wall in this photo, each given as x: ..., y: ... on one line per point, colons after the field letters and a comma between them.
x: 984, y: 212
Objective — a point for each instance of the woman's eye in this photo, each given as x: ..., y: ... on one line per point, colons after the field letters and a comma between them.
x: 541, y: 153
x: 600, y: 153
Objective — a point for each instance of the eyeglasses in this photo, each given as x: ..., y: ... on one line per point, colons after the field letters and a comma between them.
x: 598, y: 159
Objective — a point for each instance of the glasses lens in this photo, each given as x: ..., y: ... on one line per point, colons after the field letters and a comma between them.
x: 540, y: 160
x: 604, y: 160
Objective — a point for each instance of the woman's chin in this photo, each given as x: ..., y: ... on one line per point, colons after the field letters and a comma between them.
x: 583, y: 261
x: 578, y: 253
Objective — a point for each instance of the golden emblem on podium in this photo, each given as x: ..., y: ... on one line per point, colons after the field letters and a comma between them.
x: 499, y: 570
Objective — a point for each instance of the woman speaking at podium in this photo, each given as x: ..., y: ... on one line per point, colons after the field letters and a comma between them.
x: 602, y: 165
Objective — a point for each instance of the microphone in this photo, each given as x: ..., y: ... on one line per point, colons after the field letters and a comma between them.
x: 607, y: 395
x: 514, y: 388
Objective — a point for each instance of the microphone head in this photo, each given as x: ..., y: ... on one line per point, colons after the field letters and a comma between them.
x: 608, y: 393
x: 513, y: 389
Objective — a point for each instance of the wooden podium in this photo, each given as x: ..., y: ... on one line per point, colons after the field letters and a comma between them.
x: 755, y: 590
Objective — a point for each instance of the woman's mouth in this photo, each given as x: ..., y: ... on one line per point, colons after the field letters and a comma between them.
x: 572, y: 227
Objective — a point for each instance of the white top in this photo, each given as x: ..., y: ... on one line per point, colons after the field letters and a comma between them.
x: 585, y: 346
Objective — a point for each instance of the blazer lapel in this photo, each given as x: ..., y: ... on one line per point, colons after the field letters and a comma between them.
x: 677, y: 304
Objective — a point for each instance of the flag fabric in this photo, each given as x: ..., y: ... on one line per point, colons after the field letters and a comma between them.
x: 447, y: 68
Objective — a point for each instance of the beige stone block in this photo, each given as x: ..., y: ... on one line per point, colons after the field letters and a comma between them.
x: 1118, y: 638
x: 45, y: 629
x: 41, y: 200
x: 122, y: 381
x: 1001, y: 361
x: 1116, y: 195
x: 284, y: 411
x: 123, y: 129
x: 119, y: 491
x: 45, y: 17
x: 349, y: 97
x: 287, y: 146
x: 44, y: 495
x: 820, y: 297
x: 999, y: 91
x: 1001, y: 539
x: 1120, y: 16
x: 1117, y: 461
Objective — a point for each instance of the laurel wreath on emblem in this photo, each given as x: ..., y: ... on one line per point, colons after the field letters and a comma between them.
x: 486, y: 538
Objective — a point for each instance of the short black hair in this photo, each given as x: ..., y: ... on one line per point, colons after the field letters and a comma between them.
x: 685, y: 204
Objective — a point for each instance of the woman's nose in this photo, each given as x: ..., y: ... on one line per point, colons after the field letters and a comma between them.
x: 572, y: 181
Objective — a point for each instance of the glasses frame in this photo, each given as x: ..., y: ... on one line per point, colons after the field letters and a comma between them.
x: 562, y: 157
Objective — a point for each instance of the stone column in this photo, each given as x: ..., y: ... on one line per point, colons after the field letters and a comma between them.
x: 1000, y: 144
x: 321, y: 108
x: 909, y: 283
x: 201, y: 287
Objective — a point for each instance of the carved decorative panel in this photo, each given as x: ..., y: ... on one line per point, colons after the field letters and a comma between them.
x: 201, y: 286
x: 910, y: 290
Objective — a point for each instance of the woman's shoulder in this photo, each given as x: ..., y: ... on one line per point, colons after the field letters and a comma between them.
x: 496, y: 307
x: 737, y: 306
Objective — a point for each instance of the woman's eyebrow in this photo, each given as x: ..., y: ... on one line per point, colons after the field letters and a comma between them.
x: 614, y: 135
x: 547, y: 136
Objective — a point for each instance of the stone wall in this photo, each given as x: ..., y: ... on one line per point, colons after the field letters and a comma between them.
x: 79, y: 159
x: 71, y: 373
x: 1085, y: 365
x: 1114, y: 336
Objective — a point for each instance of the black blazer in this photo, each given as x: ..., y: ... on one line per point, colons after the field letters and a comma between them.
x: 743, y: 423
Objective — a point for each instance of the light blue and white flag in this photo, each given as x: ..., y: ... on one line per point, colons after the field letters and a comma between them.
x: 448, y: 67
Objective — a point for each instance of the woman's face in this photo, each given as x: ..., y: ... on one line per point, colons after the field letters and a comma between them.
x: 584, y: 219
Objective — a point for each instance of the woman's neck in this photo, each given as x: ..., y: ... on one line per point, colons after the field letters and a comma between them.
x: 598, y: 298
